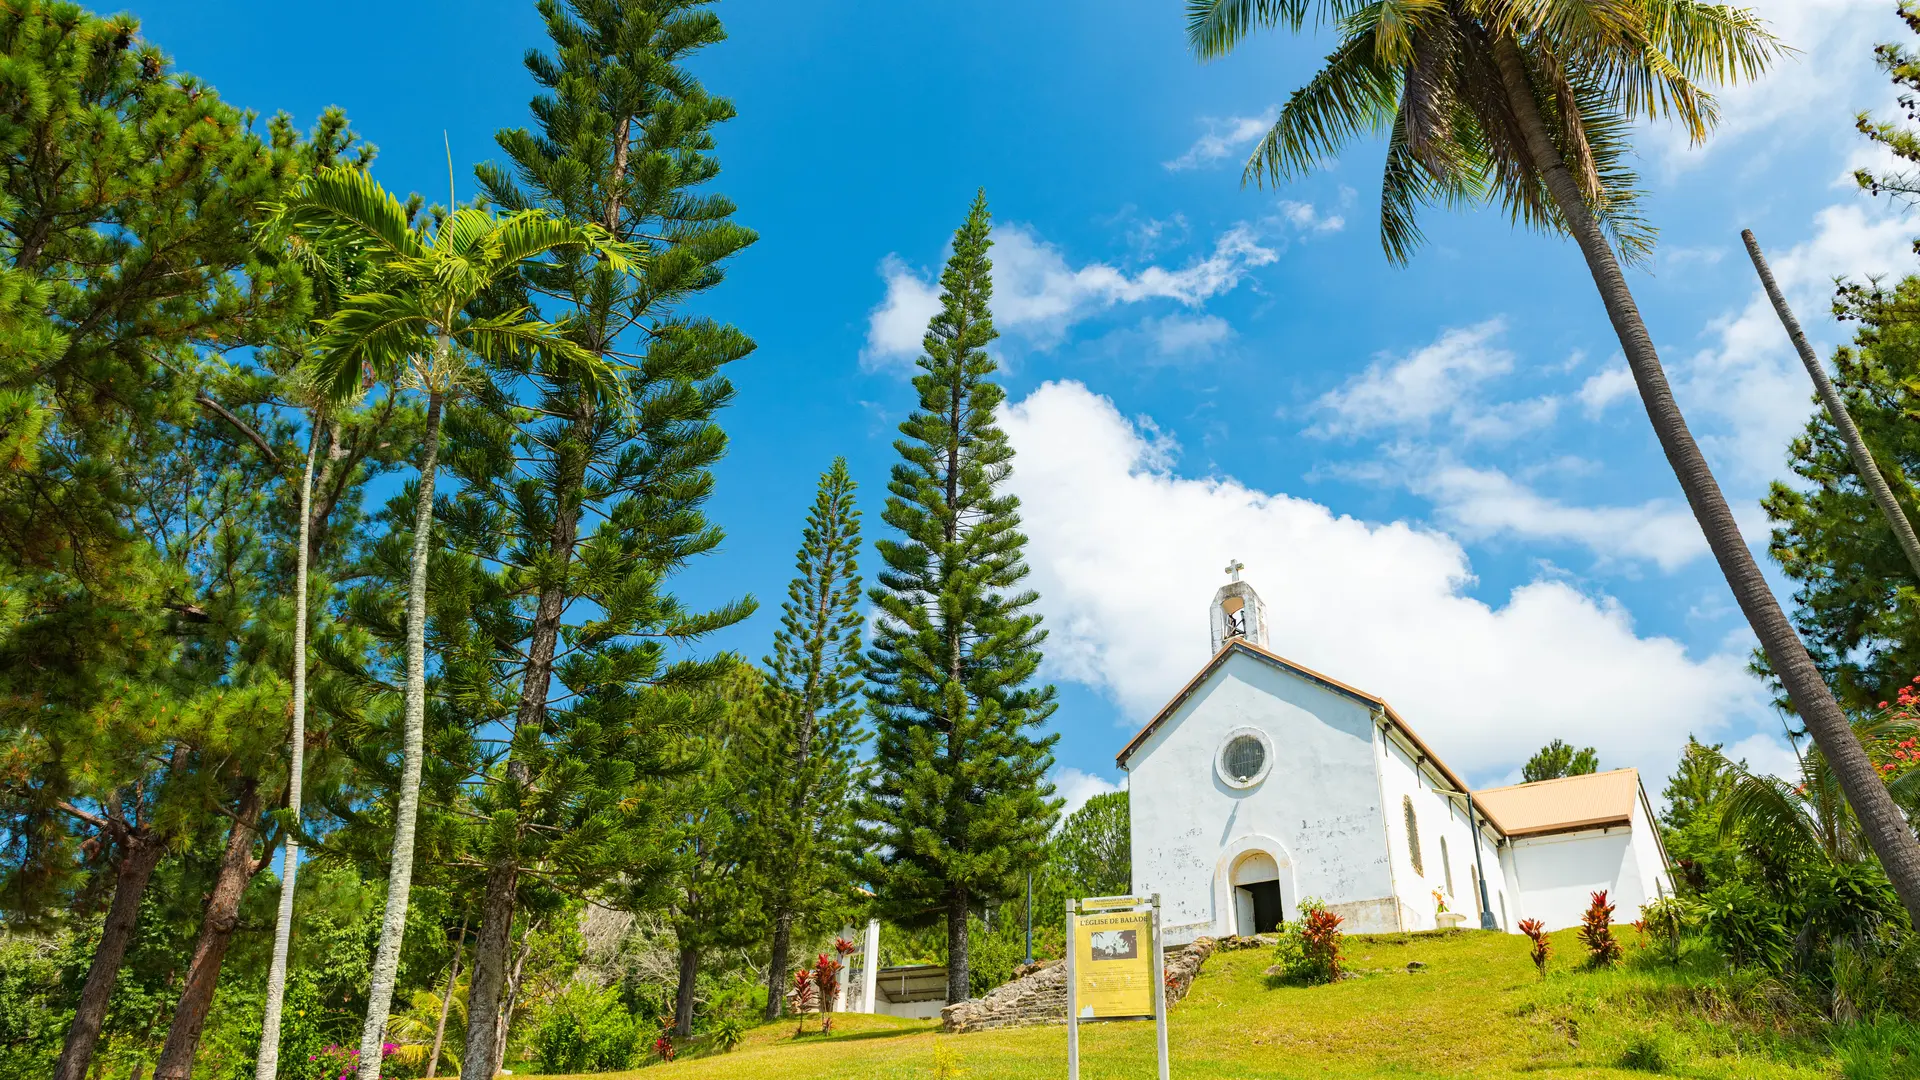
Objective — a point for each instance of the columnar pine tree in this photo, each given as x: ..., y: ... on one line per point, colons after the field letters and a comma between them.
x: 624, y: 143
x: 959, y: 801
x: 801, y: 753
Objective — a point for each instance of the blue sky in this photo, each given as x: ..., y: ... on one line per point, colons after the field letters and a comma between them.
x: 1437, y: 475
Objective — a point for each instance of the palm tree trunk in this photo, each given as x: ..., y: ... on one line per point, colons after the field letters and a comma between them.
x: 267, y: 1064
x: 446, y: 1004
x: 1875, y: 483
x: 1882, y: 821
x: 140, y: 853
x: 393, y: 921
x: 216, y: 936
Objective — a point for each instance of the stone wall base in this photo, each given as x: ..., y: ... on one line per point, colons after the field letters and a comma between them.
x: 1039, y: 995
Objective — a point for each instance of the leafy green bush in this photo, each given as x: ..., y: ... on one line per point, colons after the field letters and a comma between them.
x: 1308, y: 952
x: 1745, y: 926
x: 727, y: 1032
x: 33, y: 1012
x: 586, y: 1029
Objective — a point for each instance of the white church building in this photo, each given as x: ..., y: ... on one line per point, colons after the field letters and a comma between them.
x: 1263, y: 782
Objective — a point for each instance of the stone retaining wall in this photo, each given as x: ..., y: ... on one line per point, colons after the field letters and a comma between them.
x: 1039, y: 995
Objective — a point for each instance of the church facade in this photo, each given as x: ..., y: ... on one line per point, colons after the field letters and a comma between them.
x: 1263, y: 782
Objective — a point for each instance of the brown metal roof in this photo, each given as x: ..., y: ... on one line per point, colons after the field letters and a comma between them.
x: 1593, y: 801
x: 1304, y: 672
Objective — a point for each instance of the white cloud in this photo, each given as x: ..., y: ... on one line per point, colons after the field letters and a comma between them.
x: 1485, y: 503
x: 1749, y: 386
x: 1434, y: 381
x: 1125, y: 555
x: 1605, y: 387
x: 1077, y: 787
x: 898, y: 324
x: 1231, y: 135
x: 1303, y: 216
x: 1766, y: 755
x: 1176, y: 336
x: 1038, y: 293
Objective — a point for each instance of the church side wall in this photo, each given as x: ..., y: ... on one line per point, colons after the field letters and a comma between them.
x: 1316, y: 813
x: 1649, y: 857
x: 1560, y: 873
x: 1438, y: 816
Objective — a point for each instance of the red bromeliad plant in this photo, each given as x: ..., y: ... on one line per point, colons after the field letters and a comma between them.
x: 1536, y: 932
x: 1320, y: 938
x: 1596, y: 930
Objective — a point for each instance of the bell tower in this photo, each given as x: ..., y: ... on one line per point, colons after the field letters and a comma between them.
x: 1237, y: 612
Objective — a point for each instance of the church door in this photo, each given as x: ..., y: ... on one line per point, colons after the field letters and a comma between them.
x: 1260, y: 909
x: 1256, y: 895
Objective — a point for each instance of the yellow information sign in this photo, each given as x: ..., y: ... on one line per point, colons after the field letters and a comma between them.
x: 1113, y: 965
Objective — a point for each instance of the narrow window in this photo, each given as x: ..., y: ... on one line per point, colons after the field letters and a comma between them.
x: 1446, y: 865
x: 1413, y: 835
x: 1503, y: 911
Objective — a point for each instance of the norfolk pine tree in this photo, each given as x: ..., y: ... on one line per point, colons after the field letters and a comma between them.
x: 958, y: 802
x: 623, y: 142
x: 801, y: 753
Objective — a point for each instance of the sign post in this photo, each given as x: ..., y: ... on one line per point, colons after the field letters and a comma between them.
x: 1115, y: 969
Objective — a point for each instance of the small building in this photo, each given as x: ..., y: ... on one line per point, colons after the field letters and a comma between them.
x: 1263, y: 782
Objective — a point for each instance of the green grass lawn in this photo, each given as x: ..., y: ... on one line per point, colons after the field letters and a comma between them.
x: 1477, y: 1009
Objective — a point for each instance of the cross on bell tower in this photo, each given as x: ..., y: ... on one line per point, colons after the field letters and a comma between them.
x: 1237, y: 612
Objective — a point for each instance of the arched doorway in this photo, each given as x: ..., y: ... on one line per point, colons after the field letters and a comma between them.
x: 1256, y: 894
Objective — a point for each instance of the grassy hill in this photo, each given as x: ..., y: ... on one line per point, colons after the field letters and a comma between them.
x: 1476, y: 1009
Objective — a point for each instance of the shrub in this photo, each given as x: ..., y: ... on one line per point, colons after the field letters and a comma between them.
x: 727, y: 1032
x: 1665, y: 920
x: 585, y: 1029
x: 1744, y: 926
x: 1596, y: 931
x: 1309, y: 950
x: 1320, y: 941
x: 1536, y: 932
x: 1651, y: 1051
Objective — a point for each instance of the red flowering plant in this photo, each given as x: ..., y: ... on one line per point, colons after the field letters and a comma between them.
x: 1536, y: 932
x: 826, y: 979
x: 1596, y: 931
x: 1892, y: 736
x: 663, y: 1046
x: 1321, y: 936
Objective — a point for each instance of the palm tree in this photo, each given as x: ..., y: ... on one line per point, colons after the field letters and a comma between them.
x: 1529, y: 103
x: 1870, y: 476
x: 333, y: 271
x: 410, y: 321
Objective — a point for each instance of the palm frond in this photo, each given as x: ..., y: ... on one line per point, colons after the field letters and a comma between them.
x: 1353, y: 93
x: 347, y: 197
x: 377, y: 330
x: 1408, y: 183
x: 1214, y: 27
x: 1770, y: 811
